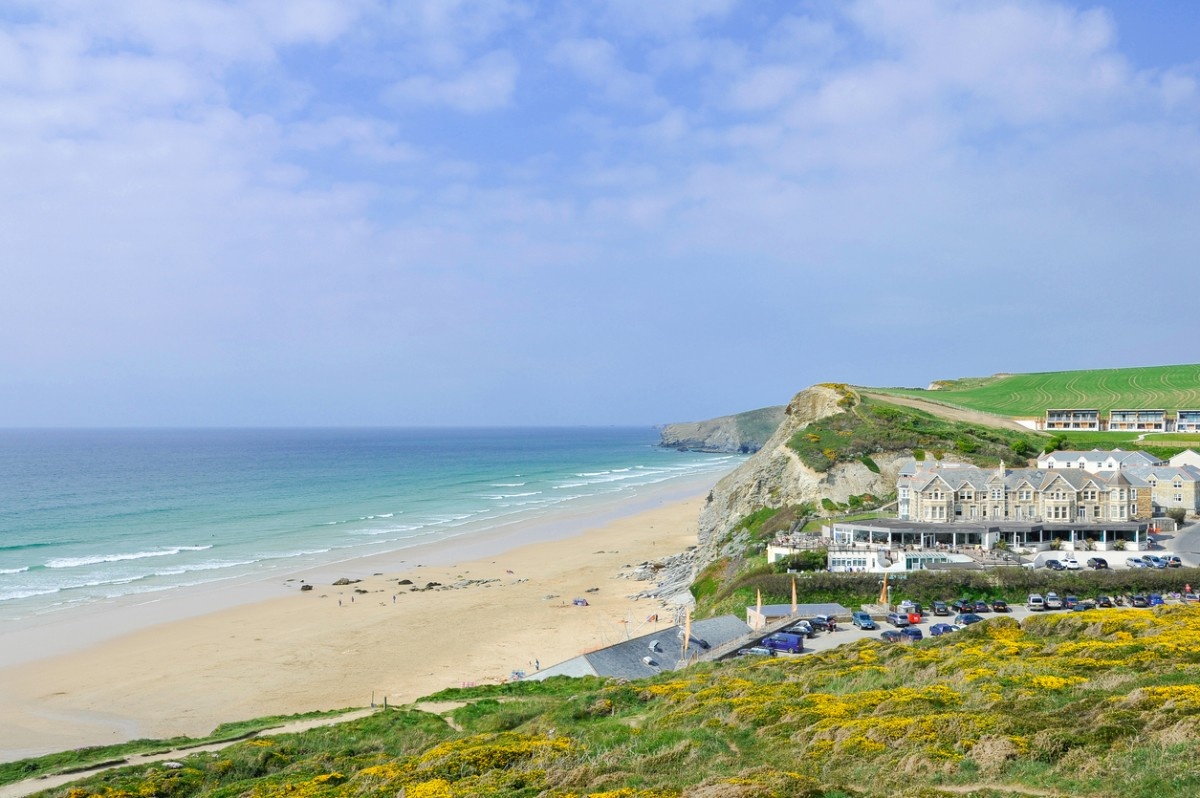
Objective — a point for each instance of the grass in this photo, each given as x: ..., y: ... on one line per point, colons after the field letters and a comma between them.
x: 1026, y: 395
x: 1009, y: 584
x: 815, y: 524
x: 1102, y: 703
x: 869, y: 425
x: 86, y: 758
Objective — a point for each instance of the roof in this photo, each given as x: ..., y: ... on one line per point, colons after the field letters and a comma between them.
x: 628, y: 659
x: 802, y: 610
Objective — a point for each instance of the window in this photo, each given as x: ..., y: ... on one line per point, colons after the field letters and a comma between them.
x: 1178, y: 498
x: 1177, y: 484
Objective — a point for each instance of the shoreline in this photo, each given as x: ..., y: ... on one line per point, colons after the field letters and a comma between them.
x: 503, y: 602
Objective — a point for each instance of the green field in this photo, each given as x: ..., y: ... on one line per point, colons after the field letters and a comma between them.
x: 1153, y: 387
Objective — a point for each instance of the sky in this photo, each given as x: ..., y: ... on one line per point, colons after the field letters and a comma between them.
x: 512, y: 212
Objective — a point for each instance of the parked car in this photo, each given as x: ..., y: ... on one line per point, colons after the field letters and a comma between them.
x: 1000, y: 606
x: 1156, y: 600
x: 1191, y: 598
x: 784, y: 641
x: 756, y: 651
x: 1053, y: 602
x: 863, y: 621
x: 939, y: 629
x: 911, y: 634
x: 1085, y: 604
x: 897, y: 619
x: 981, y: 606
x: 820, y: 622
x: 967, y: 618
x: 1071, y: 564
x: 1097, y: 563
x: 1035, y: 602
x: 1139, y: 600
x: 890, y: 636
x: 1136, y: 562
x: 1055, y: 565
x: 802, y: 628
x: 962, y: 605
x: 940, y: 608
x: 1154, y: 560
x: 1174, y: 562
x: 1070, y: 603
x: 1105, y: 601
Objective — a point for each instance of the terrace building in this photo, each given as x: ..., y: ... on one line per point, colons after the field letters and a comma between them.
x: 1187, y: 421
x: 1138, y: 420
x: 1096, y: 460
x: 1073, y: 419
x: 1170, y: 486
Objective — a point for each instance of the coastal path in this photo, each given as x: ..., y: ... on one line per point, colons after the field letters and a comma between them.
x: 20, y: 789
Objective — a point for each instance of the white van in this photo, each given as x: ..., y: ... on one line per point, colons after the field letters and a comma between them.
x: 1035, y: 603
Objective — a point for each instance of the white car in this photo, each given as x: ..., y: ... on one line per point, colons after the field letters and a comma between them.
x: 1072, y: 564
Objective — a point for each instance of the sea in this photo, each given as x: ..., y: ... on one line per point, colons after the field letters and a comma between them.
x: 89, y: 516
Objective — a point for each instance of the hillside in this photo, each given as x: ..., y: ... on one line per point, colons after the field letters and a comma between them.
x: 1102, y: 703
x: 1026, y: 395
x: 838, y: 446
x: 742, y: 432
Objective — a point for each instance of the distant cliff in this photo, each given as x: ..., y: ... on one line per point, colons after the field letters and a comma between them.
x: 744, y: 432
x: 776, y: 477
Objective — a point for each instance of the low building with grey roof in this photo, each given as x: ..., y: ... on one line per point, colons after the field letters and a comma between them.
x: 655, y: 652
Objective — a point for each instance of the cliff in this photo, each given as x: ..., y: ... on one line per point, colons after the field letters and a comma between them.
x: 743, y: 432
x: 776, y: 477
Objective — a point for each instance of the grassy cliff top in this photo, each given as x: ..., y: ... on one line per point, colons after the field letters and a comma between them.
x: 1100, y: 703
x: 1150, y: 387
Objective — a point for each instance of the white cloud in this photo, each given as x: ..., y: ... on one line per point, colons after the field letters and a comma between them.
x: 485, y: 85
x: 155, y: 207
x: 367, y: 137
x: 664, y: 19
x: 598, y: 62
x: 766, y: 87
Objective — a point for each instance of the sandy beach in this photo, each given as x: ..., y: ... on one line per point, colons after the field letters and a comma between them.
x: 502, y: 610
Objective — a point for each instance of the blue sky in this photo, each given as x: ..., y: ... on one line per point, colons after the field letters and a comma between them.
x: 356, y: 212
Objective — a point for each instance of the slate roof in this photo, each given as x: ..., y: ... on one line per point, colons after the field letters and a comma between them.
x: 627, y: 659
x: 1166, y: 473
x: 957, y: 477
x: 1097, y: 456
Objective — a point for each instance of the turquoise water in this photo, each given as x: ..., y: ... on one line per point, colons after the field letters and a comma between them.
x: 92, y: 515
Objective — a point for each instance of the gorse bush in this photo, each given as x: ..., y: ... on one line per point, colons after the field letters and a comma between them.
x: 871, y: 425
x: 1099, y: 703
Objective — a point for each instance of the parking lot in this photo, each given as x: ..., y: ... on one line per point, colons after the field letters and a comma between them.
x: 848, y: 634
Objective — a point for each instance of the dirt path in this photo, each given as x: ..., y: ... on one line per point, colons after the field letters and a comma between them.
x: 952, y: 413
x: 1002, y: 788
x: 20, y: 789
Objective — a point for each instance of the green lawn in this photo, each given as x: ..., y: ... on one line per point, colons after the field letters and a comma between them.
x: 1151, y: 387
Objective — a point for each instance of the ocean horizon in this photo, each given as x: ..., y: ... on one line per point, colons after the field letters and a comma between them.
x: 94, y: 515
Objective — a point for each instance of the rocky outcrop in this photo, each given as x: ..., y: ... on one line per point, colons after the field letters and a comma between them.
x: 743, y: 432
x: 776, y: 477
